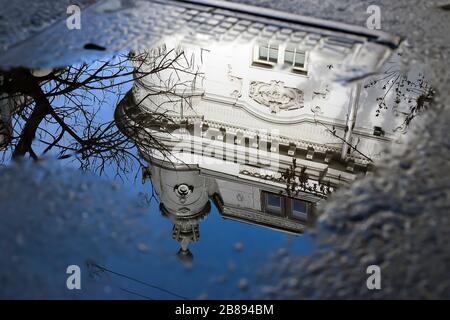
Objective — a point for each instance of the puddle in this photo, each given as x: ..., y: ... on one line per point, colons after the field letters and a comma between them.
x: 229, y: 130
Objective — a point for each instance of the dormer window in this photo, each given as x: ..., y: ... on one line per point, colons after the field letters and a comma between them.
x: 266, y: 54
x: 269, y: 54
x: 296, y: 59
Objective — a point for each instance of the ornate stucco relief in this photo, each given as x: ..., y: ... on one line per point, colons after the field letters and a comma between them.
x: 236, y: 82
x: 322, y: 93
x: 276, y: 96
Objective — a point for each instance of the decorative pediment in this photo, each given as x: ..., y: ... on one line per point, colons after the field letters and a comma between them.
x: 276, y: 96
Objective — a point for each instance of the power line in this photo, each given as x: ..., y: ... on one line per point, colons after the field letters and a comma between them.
x: 140, y: 282
x: 136, y: 294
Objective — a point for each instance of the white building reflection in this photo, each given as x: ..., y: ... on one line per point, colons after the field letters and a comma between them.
x: 261, y: 126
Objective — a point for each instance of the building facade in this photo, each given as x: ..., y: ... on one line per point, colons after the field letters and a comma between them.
x: 264, y: 119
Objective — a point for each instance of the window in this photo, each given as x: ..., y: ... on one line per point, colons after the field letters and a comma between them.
x: 273, y: 203
x: 378, y: 131
x: 294, y: 57
x: 286, y: 207
x: 300, y: 209
x: 266, y: 54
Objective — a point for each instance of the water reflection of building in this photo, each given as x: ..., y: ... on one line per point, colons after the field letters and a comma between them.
x: 254, y: 121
